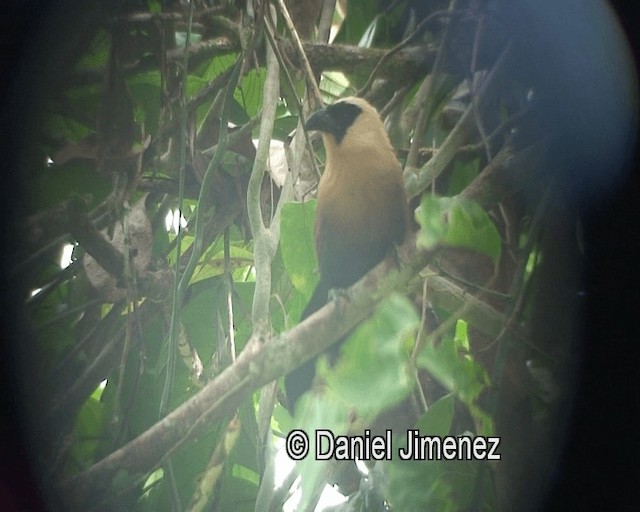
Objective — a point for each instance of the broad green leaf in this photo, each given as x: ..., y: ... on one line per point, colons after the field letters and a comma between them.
x: 146, y: 93
x: 249, y: 91
x: 457, y: 222
x: 371, y: 372
x: 471, y: 227
x: 218, y: 65
x: 334, y: 84
x: 88, y: 432
x: 297, y: 245
x: 455, y: 370
x: 437, y: 420
x: 213, y: 265
x: 358, y: 19
x: 237, y: 494
x: 431, y: 218
x: 97, y: 54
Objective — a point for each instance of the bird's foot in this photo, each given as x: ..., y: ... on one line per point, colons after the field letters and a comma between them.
x: 336, y: 294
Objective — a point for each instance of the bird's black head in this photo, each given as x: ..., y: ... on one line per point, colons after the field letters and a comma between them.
x: 334, y: 119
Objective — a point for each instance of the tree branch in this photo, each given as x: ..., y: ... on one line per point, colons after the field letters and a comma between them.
x: 264, y: 244
x: 507, y: 173
x: 407, y: 63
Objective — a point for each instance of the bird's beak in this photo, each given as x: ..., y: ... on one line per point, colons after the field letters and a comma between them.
x: 321, y: 121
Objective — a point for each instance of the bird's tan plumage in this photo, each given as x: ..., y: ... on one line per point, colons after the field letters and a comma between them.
x: 362, y: 205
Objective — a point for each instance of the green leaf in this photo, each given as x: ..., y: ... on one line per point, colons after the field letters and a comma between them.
x: 455, y: 370
x: 437, y: 420
x: 297, y: 245
x: 471, y: 227
x: 97, y: 54
x: 371, y: 372
x: 89, y: 435
x: 457, y: 222
x: 284, y: 125
x: 430, y: 216
x: 249, y: 91
x: 247, y: 474
x: 212, y: 265
x: 461, y: 336
x: 366, y: 41
x: 145, y: 89
x: 334, y: 84
x: 358, y: 19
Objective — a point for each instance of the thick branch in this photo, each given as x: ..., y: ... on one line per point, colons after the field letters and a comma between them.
x: 413, y: 61
x: 506, y: 174
x: 409, y: 62
x: 94, y: 242
x: 449, y: 296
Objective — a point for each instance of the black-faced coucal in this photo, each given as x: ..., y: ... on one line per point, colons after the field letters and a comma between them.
x: 362, y: 206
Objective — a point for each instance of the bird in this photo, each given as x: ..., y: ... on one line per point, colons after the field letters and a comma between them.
x: 362, y: 208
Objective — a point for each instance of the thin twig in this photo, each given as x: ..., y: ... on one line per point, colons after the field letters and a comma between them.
x: 425, y: 97
x: 269, y: 31
x: 311, y: 80
x: 175, y: 303
x: 449, y: 148
x: 403, y: 44
x: 326, y: 20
